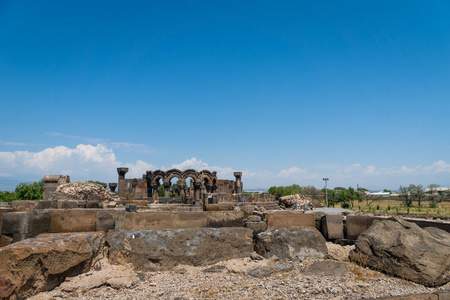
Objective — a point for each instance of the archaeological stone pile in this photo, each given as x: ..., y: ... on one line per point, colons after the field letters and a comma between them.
x: 83, y: 191
x: 299, y: 202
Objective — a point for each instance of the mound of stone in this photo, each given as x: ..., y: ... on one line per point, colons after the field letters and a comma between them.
x: 405, y: 250
x: 83, y: 191
x: 291, y: 243
x: 36, y: 265
x: 297, y: 201
x: 151, y: 250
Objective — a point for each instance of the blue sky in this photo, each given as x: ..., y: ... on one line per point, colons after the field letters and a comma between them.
x: 285, y: 91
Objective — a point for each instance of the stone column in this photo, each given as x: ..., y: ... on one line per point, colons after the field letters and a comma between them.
x: 154, y: 191
x: 197, y: 187
x: 182, y: 185
x: 122, y: 182
x: 167, y: 189
x: 238, y: 176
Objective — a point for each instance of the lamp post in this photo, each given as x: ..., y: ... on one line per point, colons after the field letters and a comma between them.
x: 326, y: 190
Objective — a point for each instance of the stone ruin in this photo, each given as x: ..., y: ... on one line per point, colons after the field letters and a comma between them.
x: 212, y: 219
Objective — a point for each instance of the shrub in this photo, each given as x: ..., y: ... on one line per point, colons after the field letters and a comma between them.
x: 345, y: 205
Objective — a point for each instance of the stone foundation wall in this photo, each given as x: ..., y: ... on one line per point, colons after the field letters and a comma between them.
x: 19, y: 225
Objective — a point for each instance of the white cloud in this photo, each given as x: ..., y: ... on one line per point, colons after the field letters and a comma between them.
x: 198, y: 164
x: 83, y: 162
x: 99, y: 162
x: 8, y: 143
x: 192, y: 163
x: 291, y: 172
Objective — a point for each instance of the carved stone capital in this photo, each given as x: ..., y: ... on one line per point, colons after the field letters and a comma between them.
x: 122, y: 171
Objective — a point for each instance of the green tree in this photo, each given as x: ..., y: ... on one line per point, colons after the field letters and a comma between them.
x: 417, y: 193
x: 30, y: 191
x: 432, y: 189
x: 7, y: 196
x: 161, y: 191
x: 405, y: 193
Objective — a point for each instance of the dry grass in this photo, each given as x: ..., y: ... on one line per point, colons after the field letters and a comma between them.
x: 396, y: 206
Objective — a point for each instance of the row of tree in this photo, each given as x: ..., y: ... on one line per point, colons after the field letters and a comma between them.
x: 348, y: 197
x: 24, y: 191
x: 417, y: 193
x: 280, y: 191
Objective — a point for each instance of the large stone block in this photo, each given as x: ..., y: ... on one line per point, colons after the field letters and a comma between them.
x: 219, y: 207
x: 405, y: 250
x: 257, y: 227
x: 150, y: 250
x: 357, y: 224
x: 44, y: 204
x: 37, y: 265
x: 73, y: 220
x: 291, y: 243
x: 3, y: 211
x: 23, y: 205
x: 106, y: 220
x: 39, y: 221
x: 289, y: 218
x: 120, y: 220
x: 333, y: 227
x: 189, y: 220
x: 225, y: 219
x: 431, y: 223
x: 15, y: 225
x: 147, y: 220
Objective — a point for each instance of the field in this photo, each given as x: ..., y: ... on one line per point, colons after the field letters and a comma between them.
x: 396, y: 206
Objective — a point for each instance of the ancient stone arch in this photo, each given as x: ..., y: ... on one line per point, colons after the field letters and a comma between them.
x: 200, y: 178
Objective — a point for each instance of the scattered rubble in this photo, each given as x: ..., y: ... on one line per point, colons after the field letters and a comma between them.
x: 79, y: 190
x: 297, y: 202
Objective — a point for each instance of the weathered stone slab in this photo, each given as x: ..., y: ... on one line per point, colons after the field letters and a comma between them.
x: 257, y: 227
x: 431, y: 223
x: 150, y: 250
x: 73, y: 220
x: 106, y: 220
x: 405, y: 250
x: 219, y: 207
x: 36, y: 265
x: 357, y: 224
x: 333, y: 227
x: 291, y: 243
x: 147, y: 220
x: 189, y: 220
x: 44, y: 204
x: 225, y: 219
x: 39, y: 221
x: 289, y: 218
x: 15, y: 224
x: 23, y: 205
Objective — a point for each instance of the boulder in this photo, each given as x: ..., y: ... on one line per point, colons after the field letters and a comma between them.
x: 405, y: 250
x: 36, y: 265
x: 151, y: 250
x: 291, y: 243
x: 83, y: 191
x: 297, y: 201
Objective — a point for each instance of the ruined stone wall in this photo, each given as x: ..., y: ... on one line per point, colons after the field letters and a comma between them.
x: 51, y: 182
